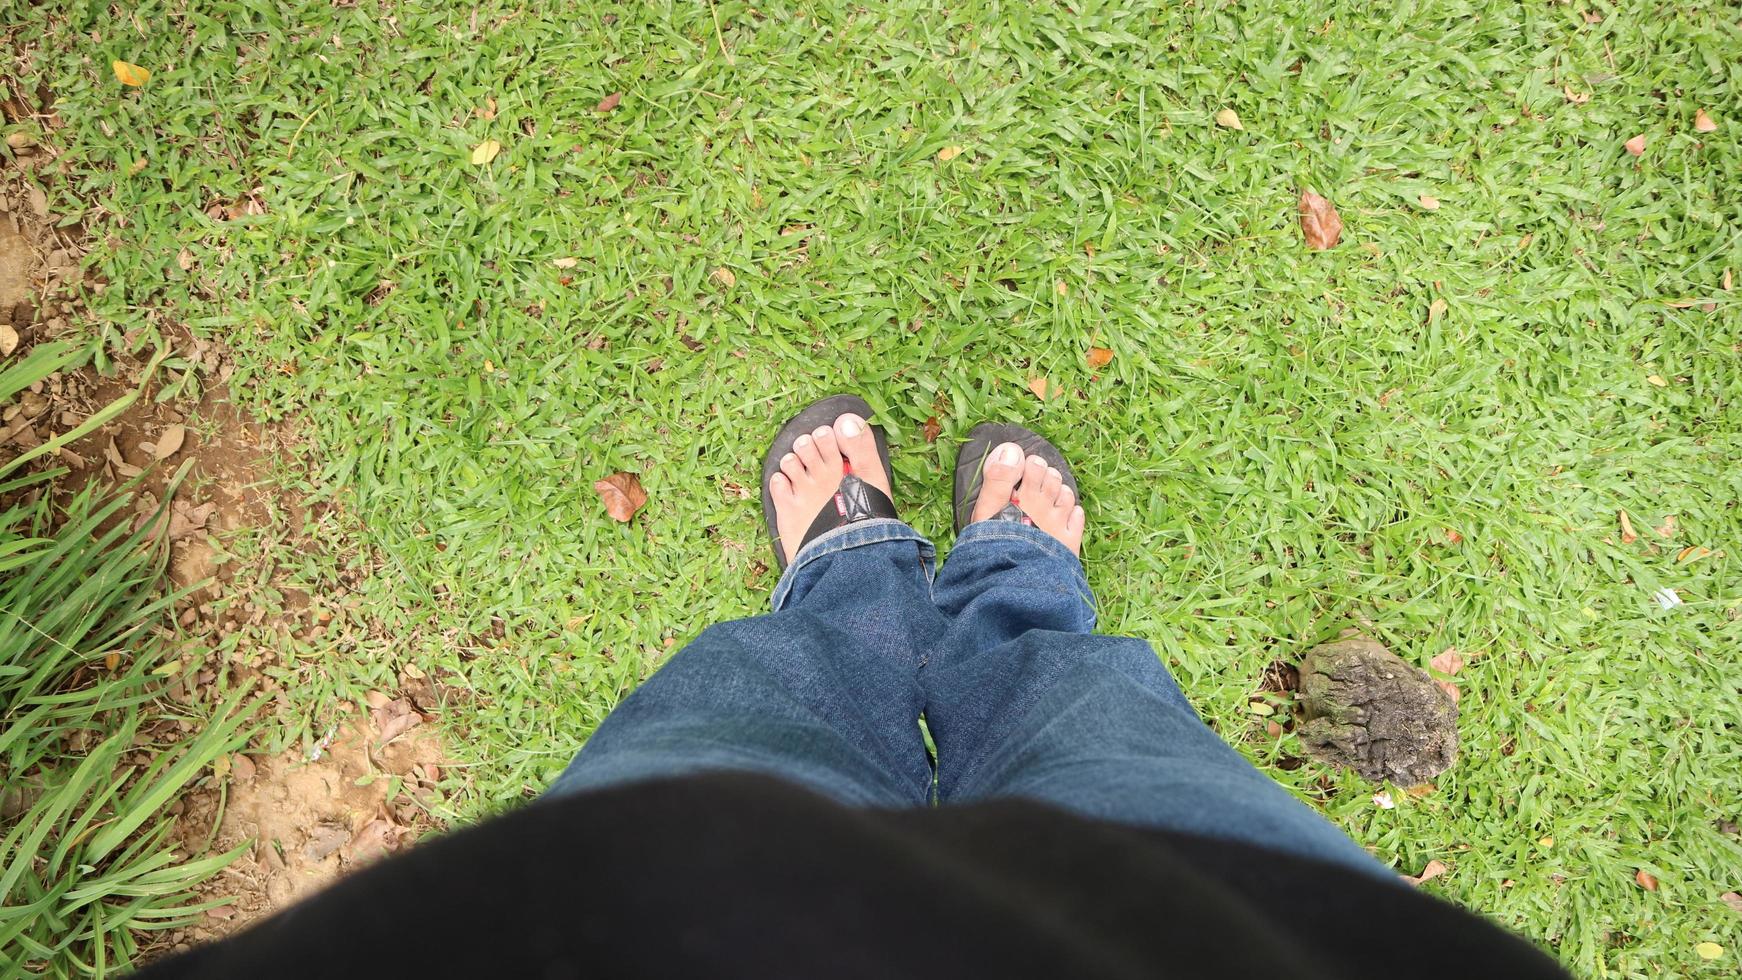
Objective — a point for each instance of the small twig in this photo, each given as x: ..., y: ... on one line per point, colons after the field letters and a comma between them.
x: 720, y: 37
x: 291, y: 149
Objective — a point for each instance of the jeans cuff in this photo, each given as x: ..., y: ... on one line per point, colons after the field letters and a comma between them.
x: 877, y: 530
x: 1015, y: 531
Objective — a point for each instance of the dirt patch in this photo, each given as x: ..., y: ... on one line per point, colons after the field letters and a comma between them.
x: 309, y: 819
x: 197, y: 459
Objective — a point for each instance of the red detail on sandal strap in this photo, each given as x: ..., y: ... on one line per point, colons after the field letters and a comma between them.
x: 1026, y: 520
x: 840, y: 504
x: 846, y: 466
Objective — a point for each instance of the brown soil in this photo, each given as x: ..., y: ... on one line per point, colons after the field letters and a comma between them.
x: 307, y: 818
x: 307, y: 821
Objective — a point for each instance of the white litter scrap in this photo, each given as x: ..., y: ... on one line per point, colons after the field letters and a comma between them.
x: 1383, y: 801
x: 1666, y: 598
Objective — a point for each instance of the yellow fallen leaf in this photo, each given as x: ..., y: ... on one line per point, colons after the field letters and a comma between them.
x: 1656, y: 379
x: 1628, y: 535
x: 1692, y: 552
x: 128, y: 73
x: 1229, y: 119
x: 1428, y: 202
x: 1708, y: 951
x: 1546, y: 842
x: 1260, y: 707
x: 949, y: 153
x: 1099, y: 357
x: 485, y: 152
x: 566, y: 262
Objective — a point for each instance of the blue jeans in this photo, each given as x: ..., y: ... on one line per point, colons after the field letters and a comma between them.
x: 996, y: 650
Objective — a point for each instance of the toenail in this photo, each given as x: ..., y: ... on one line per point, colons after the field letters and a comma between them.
x: 801, y: 441
x: 850, y: 426
x: 1010, y: 454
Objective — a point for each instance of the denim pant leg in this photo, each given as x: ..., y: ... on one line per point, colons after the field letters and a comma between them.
x: 1022, y: 700
x: 823, y: 691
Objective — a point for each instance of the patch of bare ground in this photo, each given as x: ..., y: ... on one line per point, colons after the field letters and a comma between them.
x: 188, y: 447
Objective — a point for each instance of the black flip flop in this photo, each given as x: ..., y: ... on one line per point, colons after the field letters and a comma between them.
x: 855, y: 501
x: 971, y: 466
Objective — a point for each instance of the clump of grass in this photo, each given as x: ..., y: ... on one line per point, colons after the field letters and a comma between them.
x: 87, y: 863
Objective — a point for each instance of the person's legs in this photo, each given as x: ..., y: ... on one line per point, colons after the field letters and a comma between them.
x: 1023, y: 701
x: 822, y: 691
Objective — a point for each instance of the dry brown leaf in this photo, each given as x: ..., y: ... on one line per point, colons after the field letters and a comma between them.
x: 8, y: 340
x: 1449, y: 662
x: 1667, y: 528
x: 1656, y: 379
x: 111, y: 660
x: 484, y: 152
x: 1576, y: 98
x: 567, y: 262
x: 1273, y: 729
x: 609, y: 102
x: 186, y: 519
x: 1593, y: 17
x: 1319, y: 222
x: 1061, y: 288
x: 1703, y: 123
x: 130, y: 74
x: 1628, y: 535
x: 1098, y: 357
x: 169, y: 443
x: 949, y: 153
x: 1636, y: 145
x: 1733, y: 900
x: 372, y: 841
x: 622, y: 495
x: 1452, y: 536
x: 1040, y: 387
x: 932, y: 429
x: 1436, y: 309
x: 1692, y: 552
x: 1428, y: 202
x: 394, y: 719
x: 1229, y: 119
x: 1729, y: 280
x: 725, y: 277
x: 242, y: 767
x: 1434, y: 869
x: 1450, y: 687
x: 1646, y: 879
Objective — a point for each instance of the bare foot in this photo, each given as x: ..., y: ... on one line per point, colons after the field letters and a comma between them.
x: 811, y: 473
x: 1038, y: 490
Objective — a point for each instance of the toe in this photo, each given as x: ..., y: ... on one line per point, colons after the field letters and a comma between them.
x: 780, y: 488
x: 806, y: 448
x: 793, y: 467
x: 1074, y: 524
x: 1067, y: 498
x: 1033, y: 476
x: 1049, y: 488
x: 828, y: 449
x: 998, y: 480
x: 853, y: 435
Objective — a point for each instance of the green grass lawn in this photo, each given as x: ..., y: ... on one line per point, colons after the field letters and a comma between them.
x: 1426, y: 432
